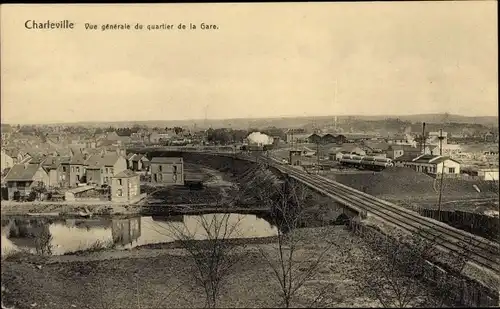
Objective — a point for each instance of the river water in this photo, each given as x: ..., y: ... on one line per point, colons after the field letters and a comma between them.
x: 61, y: 236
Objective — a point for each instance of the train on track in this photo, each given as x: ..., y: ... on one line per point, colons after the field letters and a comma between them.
x: 365, y: 162
x: 254, y: 147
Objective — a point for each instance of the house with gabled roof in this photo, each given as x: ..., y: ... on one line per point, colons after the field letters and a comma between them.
x: 22, y: 178
x: 54, y: 167
x: 73, y: 171
x: 137, y: 162
x: 101, y: 168
x: 430, y: 164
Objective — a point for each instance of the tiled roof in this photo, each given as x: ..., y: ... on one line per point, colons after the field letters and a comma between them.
x: 101, y: 161
x: 37, y: 159
x: 406, y: 148
x: 136, y: 157
x: 407, y: 157
x: 344, y: 148
x: 63, y: 152
x: 358, y: 135
x: 130, y: 155
x: 11, y: 152
x: 77, y: 159
x: 92, y: 151
x: 376, y: 145
x: 125, y: 174
x: 424, y: 159
x: 110, y: 159
x: 52, y: 162
x: 166, y: 160
x: 21, y: 172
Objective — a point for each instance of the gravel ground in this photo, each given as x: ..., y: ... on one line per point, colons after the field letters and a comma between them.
x: 160, y: 278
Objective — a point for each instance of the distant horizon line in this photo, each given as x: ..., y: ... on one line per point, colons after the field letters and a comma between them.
x: 241, y: 118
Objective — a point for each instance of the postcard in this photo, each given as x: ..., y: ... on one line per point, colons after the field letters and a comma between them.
x: 253, y: 155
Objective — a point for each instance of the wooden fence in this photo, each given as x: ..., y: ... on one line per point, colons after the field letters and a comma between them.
x: 467, y: 292
x: 475, y: 223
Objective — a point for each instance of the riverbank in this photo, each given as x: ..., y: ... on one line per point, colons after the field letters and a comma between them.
x: 160, y: 277
x: 79, y: 211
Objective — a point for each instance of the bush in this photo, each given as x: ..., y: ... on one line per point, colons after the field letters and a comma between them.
x: 17, y: 196
x: 32, y: 196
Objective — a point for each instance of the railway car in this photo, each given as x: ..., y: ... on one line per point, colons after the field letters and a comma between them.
x: 350, y: 160
x: 252, y: 148
x: 365, y: 162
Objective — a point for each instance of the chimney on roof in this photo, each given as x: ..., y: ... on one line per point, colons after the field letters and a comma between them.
x: 422, y: 143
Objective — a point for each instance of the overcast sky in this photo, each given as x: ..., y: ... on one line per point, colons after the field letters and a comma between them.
x: 266, y: 60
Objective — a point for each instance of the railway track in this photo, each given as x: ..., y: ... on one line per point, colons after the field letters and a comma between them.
x: 480, y: 251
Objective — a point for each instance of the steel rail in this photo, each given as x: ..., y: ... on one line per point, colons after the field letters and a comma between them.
x: 483, y: 256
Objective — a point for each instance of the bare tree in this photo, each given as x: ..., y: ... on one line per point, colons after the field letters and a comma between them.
x: 214, y: 256
x: 209, y: 246
x: 288, y: 213
x: 397, y: 270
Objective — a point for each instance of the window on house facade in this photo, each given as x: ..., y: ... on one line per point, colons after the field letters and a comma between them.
x: 111, y: 170
x: 119, y: 182
x: 107, y: 170
x: 159, y: 168
x: 175, y: 169
x: 451, y: 170
x: 119, y: 192
x: 105, y: 179
x: 78, y: 169
x: 64, y: 169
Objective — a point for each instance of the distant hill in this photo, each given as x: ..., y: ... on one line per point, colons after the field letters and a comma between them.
x: 291, y: 122
x: 439, y: 118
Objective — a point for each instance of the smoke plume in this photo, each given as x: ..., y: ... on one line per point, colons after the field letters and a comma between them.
x: 259, y: 139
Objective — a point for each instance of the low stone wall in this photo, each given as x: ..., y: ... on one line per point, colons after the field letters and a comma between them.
x: 467, y: 292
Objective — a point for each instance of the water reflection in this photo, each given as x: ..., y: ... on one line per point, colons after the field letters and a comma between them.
x: 55, y: 236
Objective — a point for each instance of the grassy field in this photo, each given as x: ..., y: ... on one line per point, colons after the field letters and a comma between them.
x: 161, y: 278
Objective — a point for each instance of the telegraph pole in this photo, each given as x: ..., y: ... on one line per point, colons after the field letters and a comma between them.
x: 440, y: 193
x: 317, y: 156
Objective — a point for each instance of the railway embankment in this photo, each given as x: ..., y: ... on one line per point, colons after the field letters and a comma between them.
x: 478, y: 281
x: 470, y: 286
